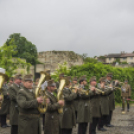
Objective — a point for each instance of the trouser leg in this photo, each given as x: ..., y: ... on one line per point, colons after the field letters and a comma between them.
x: 108, y: 118
x: 3, y: 120
x: 102, y: 121
x: 93, y: 125
x: 14, y: 129
x: 123, y: 104
x: 128, y: 105
x: 66, y: 131
x: 82, y: 128
x: 43, y: 121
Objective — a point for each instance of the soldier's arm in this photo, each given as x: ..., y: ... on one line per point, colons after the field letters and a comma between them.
x: 4, y: 91
x: 12, y: 94
x: 69, y: 97
x: 53, y: 107
x: 23, y: 103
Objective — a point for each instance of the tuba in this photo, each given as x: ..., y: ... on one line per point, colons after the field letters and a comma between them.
x: 60, y: 95
x: 3, y: 78
x: 42, y: 107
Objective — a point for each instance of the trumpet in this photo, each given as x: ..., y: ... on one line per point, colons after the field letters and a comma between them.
x: 80, y: 90
x: 98, y: 90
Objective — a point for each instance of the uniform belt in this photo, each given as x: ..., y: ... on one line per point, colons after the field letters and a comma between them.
x: 37, y: 115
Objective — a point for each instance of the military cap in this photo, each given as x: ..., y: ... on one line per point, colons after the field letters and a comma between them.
x: 92, y: 79
x: 51, y: 83
x: 18, y: 76
x: 67, y: 81
x: 48, y: 77
x: 110, y: 75
x: 61, y: 75
x: 75, y: 79
x: 37, y: 79
x: 69, y: 77
x: 11, y: 79
x: 28, y: 77
x: 126, y: 80
x: 82, y: 78
x: 48, y: 71
x: 102, y: 79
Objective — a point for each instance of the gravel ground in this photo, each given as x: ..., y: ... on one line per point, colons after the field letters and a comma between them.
x: 124, y: 124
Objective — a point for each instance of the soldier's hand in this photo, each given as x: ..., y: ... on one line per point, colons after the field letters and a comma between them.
x: 61, y: 102
x: 76, y: 90
x: 102, y: 85
x: 93, y: 88
x: 40, y: 99
x: 47, y: 101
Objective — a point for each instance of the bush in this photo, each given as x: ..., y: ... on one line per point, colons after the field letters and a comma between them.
x: 100, y: 70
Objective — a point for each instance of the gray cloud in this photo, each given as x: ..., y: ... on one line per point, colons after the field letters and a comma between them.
x: 94, y: 27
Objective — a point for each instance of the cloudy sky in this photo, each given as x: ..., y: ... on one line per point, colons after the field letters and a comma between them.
x: 95, y: 27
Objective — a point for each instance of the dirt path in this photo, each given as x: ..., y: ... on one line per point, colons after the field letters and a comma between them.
x: 124, y: 124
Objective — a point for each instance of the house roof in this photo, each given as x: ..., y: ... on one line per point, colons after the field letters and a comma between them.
x: 121, y: 55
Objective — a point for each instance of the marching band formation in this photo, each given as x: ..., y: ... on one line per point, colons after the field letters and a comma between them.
x: 62, y: 104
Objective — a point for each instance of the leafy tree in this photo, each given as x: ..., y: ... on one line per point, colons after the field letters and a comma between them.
x: 8, y: 62
x: 62, y: 68
x: 24, y: 47
x: 90, y: 60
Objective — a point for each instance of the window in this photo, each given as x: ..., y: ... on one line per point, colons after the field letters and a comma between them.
x: 109, y: 59
x: 124, y: 58
x: 131, y: 58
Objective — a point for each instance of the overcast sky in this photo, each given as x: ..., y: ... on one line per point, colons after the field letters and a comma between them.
x: 95, y: 27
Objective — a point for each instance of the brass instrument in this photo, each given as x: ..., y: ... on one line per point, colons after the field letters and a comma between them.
x: 80, y: 90
x: 98, y: 90
x: 42, y: 107
x: 115, y: 84
x: 60, y: 95
x: 3, y: 78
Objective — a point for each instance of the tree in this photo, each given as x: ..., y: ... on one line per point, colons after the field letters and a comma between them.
x: 9, y: 63
x: 90, y: 60
x: 24, y: 47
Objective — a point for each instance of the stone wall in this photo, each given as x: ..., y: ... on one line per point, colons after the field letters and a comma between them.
x: 50, y: 59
